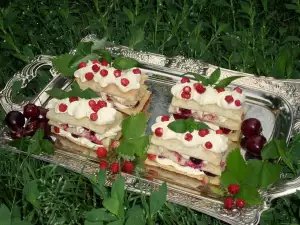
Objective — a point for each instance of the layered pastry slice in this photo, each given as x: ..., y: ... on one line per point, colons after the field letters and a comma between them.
x: 84, y: 125
x: 125, y: 89
x: 223, y: 107
x: 198, y: 155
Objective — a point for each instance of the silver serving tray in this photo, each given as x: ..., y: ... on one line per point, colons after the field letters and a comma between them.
x: 275, y: 103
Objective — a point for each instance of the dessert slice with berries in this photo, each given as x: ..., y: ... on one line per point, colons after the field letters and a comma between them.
x: 188, y: 147
x: 224, y: 107
x: 126, y: 89
x: 85, y: 126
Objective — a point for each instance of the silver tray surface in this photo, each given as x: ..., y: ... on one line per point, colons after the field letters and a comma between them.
x: 275, y: 102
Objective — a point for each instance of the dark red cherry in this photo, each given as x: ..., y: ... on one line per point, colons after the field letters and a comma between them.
x: 43, y: 112
x: 43, y: 124
x: 244, y: 142
x: 31, y: 111
x: 255, y: 144
x: 185, y: 112
x: 31, y: 127
x: 19, y: 133
x: 248, y: 156
x: 14, y: 120
x: 195, y: 160
x: 251, y: 127
x: 225, y: 130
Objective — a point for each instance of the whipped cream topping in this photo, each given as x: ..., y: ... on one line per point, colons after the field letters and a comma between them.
x: 185, y: 169
x: 219, y: 142
x: 105, y: 75
x: 81, y: 108
x: 211, y: 96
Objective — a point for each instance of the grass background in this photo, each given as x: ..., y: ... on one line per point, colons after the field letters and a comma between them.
x: 254, y: 36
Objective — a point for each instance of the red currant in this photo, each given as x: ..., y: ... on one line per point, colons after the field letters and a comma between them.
x: 233, y: 189
x: 158, y: 132
x: 229, y: 203
x: 229, y: 99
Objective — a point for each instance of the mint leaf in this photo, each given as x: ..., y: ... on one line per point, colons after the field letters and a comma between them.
x: 60, y: 63
x: 250, y: 195
x: 178, y: 126
x: 158, y: 199
x: 126, y: 148
x: 282, y: 149
x: 270, y: 151
x: 105, y: 55
x: 141, y: 144
x: 80, y: 58
x: 112, y: 205
x: 32, y: 193
x: 197, y: 77
x: 84, y: 48
x: 227, y: 178
x: 226, y: 81
x: 201, y: 126
x: 5, y: 215
x: 214, y: 77
x: 134, y: 126
x: 124, y: 63
x: 99, y: 215
x: 57, y: 93
x: 135, y: 215
x: 236, y: 165
x: 87, y: 94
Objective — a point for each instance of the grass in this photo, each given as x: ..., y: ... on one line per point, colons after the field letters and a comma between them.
x: 254, y: 36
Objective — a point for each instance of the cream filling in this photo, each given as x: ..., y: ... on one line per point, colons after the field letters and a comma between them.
x: 185, y: 169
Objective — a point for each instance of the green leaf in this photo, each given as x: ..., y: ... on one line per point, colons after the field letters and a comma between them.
x: 101, y: 177
x: 135, y: 215
x: 99, y: 215
x: 99, y: 44
x: 141, y: 144
x: 5, y: 215
x: 118, y: 190
x: 158, y: 199
x: 60, y: 63
x: 93, y: 223
x: 236, y: 165
x: 197, y: 77
x: 126, y: 148
x: 84, y: 48
x: 57, y: 93
x: 282, y: 149
x: 21, y: 143
x: 124, y: 63
x: 35, y: 145
x: 270, y: 151
x: 73, y: 64
x: 47, y: 146
x: 178, y: 126
x: 21, y: 223
x: 117, y: 222
x: 137, y: 36
x: 32, y: 193
x: 226, y: 81
x: 16, y: 87
x: 134, y: 126
x: 200, y: 126
x: 112, y: 205
x: 105, y: 55
x: 250, y: 195
x: 227, y: 178
x: 214, y: 77
x: 129, y: 14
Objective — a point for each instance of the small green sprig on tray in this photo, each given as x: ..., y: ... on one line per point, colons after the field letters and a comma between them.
x: 67, y: 64
x: 187, y: 125
x: 213, y: 79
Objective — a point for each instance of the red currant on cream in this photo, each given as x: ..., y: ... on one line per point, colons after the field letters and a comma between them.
x: 208, y: 145
x: 240, y: 203
x: 117, y: 73
x: 165, y: 118
x: 62, y: 107
x: 136, y: 71
x: 233, y: 189
x: 238, y: 90
x: 237, y: 102
x: 151, y: 156
x: 188, y: 137
x: 73, y: 99
x: 81, y: 65
x: 185, y: 80
x: 219, y: 90
x: 103, y: 165
x: 96, y: 61
x: 124, y: 82
x: 185, y: 95
x: 56, y: 129
x: 199, y: 88
x: 89, y: 76
x: 187, y: 89
x: 219, y: 132
x: 229, y: 203
x: 203, y: 132
x: 229, y: 99
x: 92, y: 103
x: 104, y: 63
x: 95, y: 68
x: 102, y: 104
x: 103, y: 73
x: 158, y: 132
x: 94, y: 116
x: 101, y: 152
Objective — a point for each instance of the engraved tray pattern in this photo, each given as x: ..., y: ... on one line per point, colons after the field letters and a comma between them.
x: 287, y: 90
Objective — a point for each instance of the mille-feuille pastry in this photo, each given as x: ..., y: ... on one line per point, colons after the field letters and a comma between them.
x: 223, y: 107
x: 199, y: 154
x: 125, y: 89
x: 84, y: 125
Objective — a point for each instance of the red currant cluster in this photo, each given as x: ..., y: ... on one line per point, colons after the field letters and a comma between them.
x: 230, y: 202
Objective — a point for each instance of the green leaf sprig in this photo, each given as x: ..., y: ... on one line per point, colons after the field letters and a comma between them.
x: 35, y: 144
x: 188, y: 125
x: 67, y: 64
x: 213, y: 79
x: 251, y: 176
x: 74, y: 92
x: 134, y: 142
